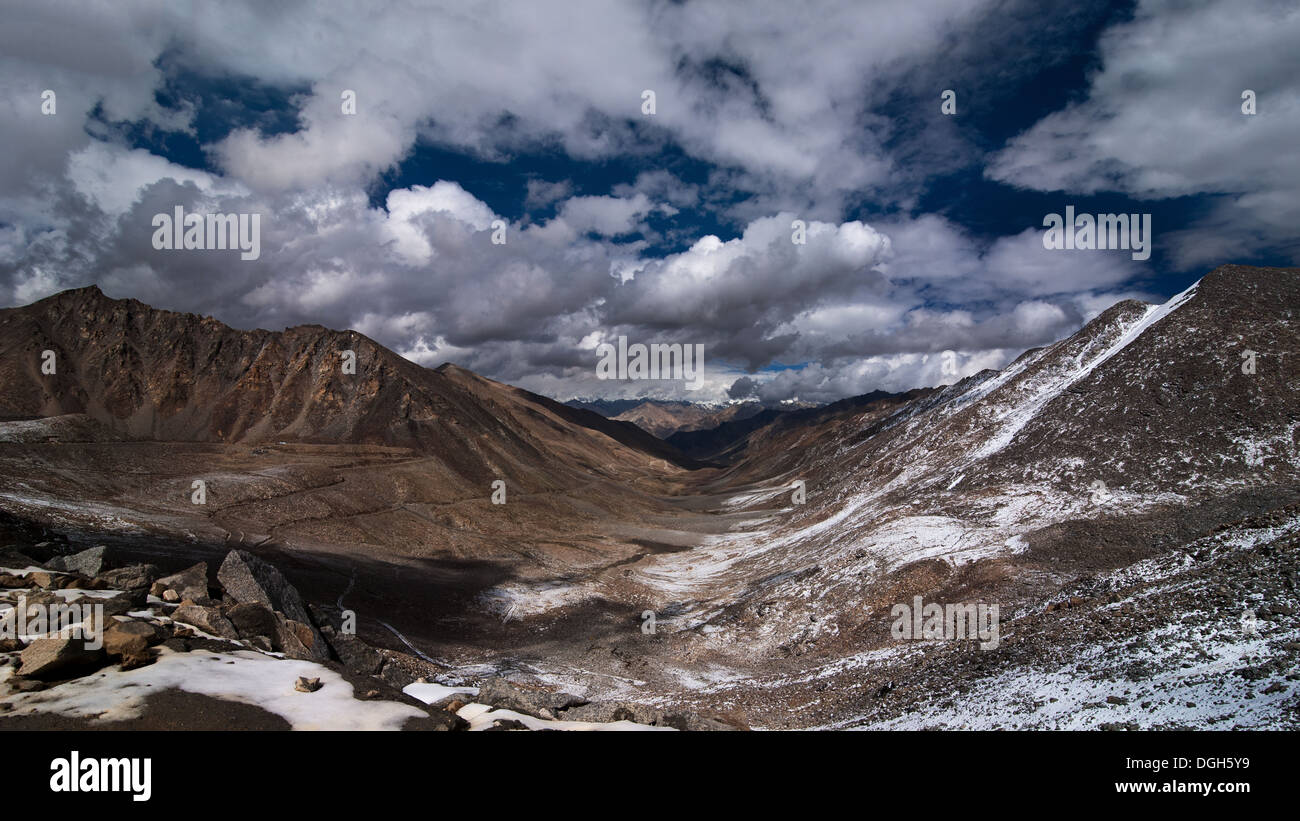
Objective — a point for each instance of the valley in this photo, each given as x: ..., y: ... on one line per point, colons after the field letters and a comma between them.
x: 374, y: 496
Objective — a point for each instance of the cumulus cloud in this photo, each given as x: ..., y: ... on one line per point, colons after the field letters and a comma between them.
x: 1163, y: 118
x: 765, y: 115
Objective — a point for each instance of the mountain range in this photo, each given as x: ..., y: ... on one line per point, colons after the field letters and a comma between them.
x: 1123, y: 496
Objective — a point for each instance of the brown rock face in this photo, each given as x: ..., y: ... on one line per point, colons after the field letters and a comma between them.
x: 151, y: 374
x: 130, y: 638
x: 59, y: 658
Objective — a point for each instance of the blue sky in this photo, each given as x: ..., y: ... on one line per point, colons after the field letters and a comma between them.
x: 924, y: 229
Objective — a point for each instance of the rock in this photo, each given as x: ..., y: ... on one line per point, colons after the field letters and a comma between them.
x: 177, y: 645
x: 27, y: 685
x: 440, y: 721
x: 9, y: 557
x: 170, y: 596
x: 298, y: 641
x: 1275, y: 687
x: 453, y: 702
x: 120, y: 604
x: 307, y: 685
x: 642, y: 714
x: 506, y: 724
x: 44, y: 579
x: 497, y: 692
x: 90, y: 562
x: 59, y: 658
x: 12, y: 582
x: 130, y: 577
x: 353, y: 652
x: 11, y: 645
x: 191, y: 583
x: 252, y: 619
x: 208, y: 619
x: 246, y: 578
x: 262, y: 643
x: 135, y: 660
x: 130, y: 638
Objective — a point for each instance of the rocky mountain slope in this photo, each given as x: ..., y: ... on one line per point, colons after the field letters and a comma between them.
x: 1139, y: 435
x: 164, y: 376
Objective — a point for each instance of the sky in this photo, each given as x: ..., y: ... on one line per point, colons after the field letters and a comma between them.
x: 923, y: 230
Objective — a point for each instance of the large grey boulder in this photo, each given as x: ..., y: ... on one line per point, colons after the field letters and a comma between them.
x: 130, y: 577
x: 249, y: 580
x: 246, y: 578
x: 90, y: 562
x: 498, y: 692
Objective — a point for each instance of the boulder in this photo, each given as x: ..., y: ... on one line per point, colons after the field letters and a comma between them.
x: 131, y: 638
x: 355, y: 654
x: 140, y: 659
x: 208, y: 619
x: 90, y: 562
x: 246, y: 578
x: 9, y: 557
x: 121, y: 604
x: 252, y: 619
x: 298, y: 641
x: 59, y: 658
x: 131, y: 577
x: 44, y: 579
x: 191, y: 583
x: 497, y: 692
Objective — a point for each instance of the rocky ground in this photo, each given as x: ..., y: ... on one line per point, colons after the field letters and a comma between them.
x: 238, y: 648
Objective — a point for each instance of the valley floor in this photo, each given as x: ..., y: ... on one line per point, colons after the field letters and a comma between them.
x: 557, y: 593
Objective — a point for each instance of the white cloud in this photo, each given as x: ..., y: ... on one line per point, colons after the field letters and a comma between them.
x: 1163, y: 118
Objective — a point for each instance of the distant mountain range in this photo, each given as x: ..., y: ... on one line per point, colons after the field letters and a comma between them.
x: 663, y: 418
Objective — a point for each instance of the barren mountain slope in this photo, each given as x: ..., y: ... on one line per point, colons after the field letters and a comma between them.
x: 1137, y: 435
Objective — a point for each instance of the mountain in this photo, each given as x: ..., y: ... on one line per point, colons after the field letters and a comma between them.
x: 1125, y: 497
x: 729, y: 440
x: 164, y: 376
x: 1139, y: 439
x: 605, y: 407
x: 663, y: 419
